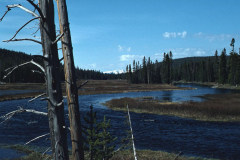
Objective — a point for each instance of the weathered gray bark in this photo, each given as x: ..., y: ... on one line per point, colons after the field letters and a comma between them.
x: 71, y: 87
x: 54, y: 92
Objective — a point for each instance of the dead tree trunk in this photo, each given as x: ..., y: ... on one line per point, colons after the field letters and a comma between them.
x: 54, y: 92
x: 71, y: 87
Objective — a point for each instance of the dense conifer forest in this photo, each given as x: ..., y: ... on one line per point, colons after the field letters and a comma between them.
x: 220, y: 68
x: 28, y: 73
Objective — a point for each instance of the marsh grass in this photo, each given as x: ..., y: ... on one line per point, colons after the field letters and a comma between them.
x: 152, y: 155
x: 31, y: 154
x: 223, y: 107
x: 92, y: 87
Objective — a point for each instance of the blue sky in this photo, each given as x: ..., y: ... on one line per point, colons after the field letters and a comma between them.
x: 108, y: 34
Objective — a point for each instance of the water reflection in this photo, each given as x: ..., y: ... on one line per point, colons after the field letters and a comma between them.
x: 167, y: 96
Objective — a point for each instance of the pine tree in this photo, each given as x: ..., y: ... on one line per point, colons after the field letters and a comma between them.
x: 223, y: 67
x: 106, y: 140
x: 216, y: 66
x: 98, y: 140
x: 134, y: 72
x: 130, y: 73
x: 238, y: 70
x: 210, y: 70
x: 91, y: 134
x: 166, y: 69
x: 233, y: 65
x: 144, y: 70
x: 127, y: 74
x: 149, y: 70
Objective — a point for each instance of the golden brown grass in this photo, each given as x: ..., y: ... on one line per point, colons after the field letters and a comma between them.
x: 120, y: 155
x: 152, y: 155
x: 92, y: 87
x: 225, y: 107
x: 119, y: 86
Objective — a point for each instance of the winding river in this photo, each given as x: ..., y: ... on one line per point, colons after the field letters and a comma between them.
x: 155, y: 132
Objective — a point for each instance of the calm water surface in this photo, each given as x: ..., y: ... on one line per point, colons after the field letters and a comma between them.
x: 13, y: 92
x: 167, y: 133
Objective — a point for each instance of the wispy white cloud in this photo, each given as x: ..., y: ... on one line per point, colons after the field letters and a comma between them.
x: 130, y: 57
x: 183, y: 34
x: 123, y: 48
x: 120, y: 48
x: 188, y: 52
x: 183, y: 52
x: 175, y: 34
x: 214, y: 37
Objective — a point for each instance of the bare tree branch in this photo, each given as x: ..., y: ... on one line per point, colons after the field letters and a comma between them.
x: 20, y: 65
x: 52, y: 103
x: 37, y: 8
x: 58, y: 38
x: 43, y: 94
x: 61, y: 59
x: 25, y: 39
x: 36, y: 31
x: 5, y: 14
x: 34, y: 139
x: 23, y: 8
x: 21, y: 29
x: 38, y: 65
x: 9, y: 115
x: 82, y: 84
x: 48, y: 149
x: 35, y: 71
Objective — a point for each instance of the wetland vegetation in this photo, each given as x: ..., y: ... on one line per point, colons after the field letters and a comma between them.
x: 220, y: 107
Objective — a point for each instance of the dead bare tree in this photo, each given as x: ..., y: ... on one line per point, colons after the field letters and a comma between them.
x: 54, y: 97
x: 54, y: 92
x: 70, y: 82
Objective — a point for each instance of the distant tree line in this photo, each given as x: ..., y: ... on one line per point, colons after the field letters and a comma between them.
x: 29, y: 73
x: 221, y: 69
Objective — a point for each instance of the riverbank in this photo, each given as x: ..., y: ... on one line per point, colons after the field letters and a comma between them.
x: 220, y: 107
x: 119, y: 155
x: 211, y: 84
x: 92, y: 87
x: 153, y: 155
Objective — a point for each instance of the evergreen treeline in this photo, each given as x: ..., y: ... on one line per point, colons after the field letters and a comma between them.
x: 220, y: 68
x: 24, y: 74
